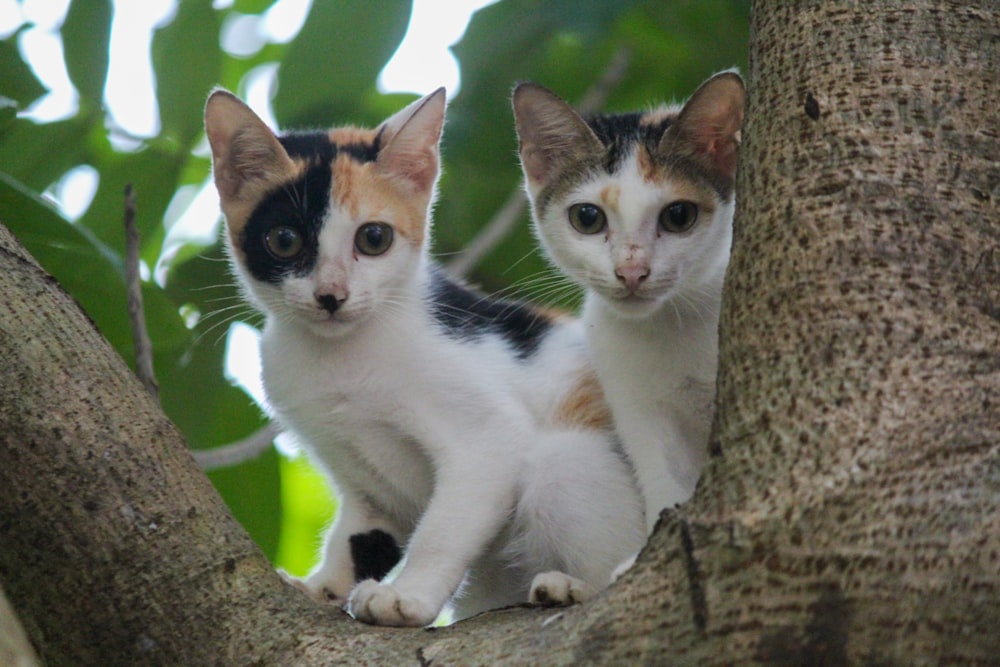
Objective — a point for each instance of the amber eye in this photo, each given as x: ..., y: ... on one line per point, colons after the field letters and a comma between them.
x: 373, y: 238
x: 587, y: 218
x: 283, y: 242
x: 678, y: 217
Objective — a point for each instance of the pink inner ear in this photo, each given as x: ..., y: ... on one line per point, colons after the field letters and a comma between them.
x: 723, y: 150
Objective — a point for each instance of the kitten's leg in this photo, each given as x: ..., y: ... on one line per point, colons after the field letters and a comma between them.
x: 359, y: 545
x: 662, y: 461
x: 581, y: 512
x: 472, y: 497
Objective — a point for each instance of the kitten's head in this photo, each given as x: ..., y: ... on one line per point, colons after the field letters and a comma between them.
x: 636, y: 207
x: 323, y: 228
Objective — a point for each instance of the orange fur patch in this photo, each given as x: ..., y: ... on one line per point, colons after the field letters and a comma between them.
x: 610, y: 195
x: 369, y: 195
x: 343, y: 136
x: 648, y: 168
x: 584, y: 406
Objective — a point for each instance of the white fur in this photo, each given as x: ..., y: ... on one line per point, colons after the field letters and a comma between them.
x: 442, y: 445
x: 655, y: 351
x: 654, y: 340
x: 448, y: 445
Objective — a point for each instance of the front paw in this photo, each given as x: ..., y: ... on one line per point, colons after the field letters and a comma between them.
x: 314, y: 589
x: 551, y: 589
x: 383, y: 604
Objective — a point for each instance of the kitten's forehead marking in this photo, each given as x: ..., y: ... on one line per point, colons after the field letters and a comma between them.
x: 366, y: 195
x: 611, y: 195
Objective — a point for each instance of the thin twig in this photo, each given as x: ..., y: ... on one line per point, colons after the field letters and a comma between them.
x: 496, y: 230
x: 136, y: 314
x: 237, y: 452
x: 509, y: 214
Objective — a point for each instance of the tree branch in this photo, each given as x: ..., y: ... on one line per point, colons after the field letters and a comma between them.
x: 509, y: 213
x: 137, y: 316
x: 237, y: 452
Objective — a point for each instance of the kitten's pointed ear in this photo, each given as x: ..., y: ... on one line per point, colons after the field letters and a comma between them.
x: 550, y: 132
x: 410, y: 140
x: 708, y: 127
x: 244, y: 150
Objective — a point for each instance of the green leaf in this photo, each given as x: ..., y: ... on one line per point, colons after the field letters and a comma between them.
x: 86, y: 268
x: 8, y: 112
x: 252, y: 6
x: 252, y: 490
x: 153, y: 173
x: 308, y: 505
x: 86, y: 34
x: 19, y: 82
x: 38, y: 154
x: 187, y: 60
x: 335, y: 58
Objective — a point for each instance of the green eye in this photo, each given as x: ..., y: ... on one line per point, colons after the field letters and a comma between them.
x: 283, y: 242
x: 678, y: 217
x: 587, y: 218
x: 373, y: 238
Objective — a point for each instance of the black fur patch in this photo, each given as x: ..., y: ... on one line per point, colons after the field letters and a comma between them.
x: 311, y: 147
x: 363, y: 152
x: 618, y: 132
x: 373, y: 554
x: 301, y: 204
x: 466, y: 313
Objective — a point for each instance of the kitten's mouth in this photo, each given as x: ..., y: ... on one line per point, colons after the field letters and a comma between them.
x: 634, y: 303
x: 625, y: 296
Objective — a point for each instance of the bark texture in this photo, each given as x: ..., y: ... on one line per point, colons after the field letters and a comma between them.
x: 859, y: 399
x: 849, y: 514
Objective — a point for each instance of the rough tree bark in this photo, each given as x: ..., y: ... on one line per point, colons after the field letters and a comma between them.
x: 850, y: 511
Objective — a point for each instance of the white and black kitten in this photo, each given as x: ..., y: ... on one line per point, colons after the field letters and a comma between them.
x: 470, y: 431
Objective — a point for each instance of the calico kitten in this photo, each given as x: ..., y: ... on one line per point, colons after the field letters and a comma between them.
x: 469, y: 430
x: 637, y: 208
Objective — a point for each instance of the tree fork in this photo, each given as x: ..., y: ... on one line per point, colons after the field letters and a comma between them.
x: 849, y: 513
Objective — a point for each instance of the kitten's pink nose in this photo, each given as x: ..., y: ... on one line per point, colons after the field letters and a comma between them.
x: 632, y: 275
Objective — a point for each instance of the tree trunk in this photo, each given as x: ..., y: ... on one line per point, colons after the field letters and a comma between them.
x: 850, y: 511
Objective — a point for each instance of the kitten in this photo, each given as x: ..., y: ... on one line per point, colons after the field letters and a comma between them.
x: 470, y: 430
x: 637, y: 208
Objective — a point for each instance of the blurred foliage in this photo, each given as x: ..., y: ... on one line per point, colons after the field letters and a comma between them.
x: 325, y: 75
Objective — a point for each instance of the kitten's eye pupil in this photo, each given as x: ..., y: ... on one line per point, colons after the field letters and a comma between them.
x: 283, y: 242
x: 373, y: 238
x: 587, y: 218
x: 679, y: 216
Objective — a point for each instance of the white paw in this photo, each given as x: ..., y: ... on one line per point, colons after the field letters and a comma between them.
x: 316, y: 590
x: 383, y: 604
x: 623, y: 567
x: 555, y: 588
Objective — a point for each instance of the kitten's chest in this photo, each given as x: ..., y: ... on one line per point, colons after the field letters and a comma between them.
x: 658, y: 360
x: 339, y: 406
